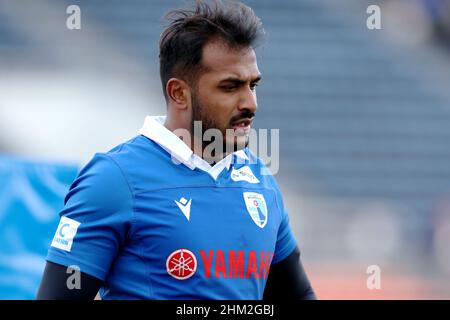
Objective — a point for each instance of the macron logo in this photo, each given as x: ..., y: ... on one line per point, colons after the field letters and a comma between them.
x: 185, y: 207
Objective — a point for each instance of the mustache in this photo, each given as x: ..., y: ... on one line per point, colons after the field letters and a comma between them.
x: 244, y: 115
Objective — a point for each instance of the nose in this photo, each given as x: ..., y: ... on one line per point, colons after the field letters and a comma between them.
x: 248, y: 101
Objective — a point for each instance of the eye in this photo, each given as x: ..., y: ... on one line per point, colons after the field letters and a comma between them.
x: 229, y: 87
x: 253, y: 86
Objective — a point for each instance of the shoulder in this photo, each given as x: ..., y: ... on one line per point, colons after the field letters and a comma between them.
x: 99, y: 184
x: 104, y: 177
x: 139, y: 150
x: 143, y: 163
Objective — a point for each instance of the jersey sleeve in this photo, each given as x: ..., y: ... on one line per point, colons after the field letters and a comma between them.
x: 95, y: 220
x: 286, y: 242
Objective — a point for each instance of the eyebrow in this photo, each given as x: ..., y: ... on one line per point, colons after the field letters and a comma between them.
x: 240, y: 81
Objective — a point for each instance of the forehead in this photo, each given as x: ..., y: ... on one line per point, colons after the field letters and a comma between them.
x: 219, y: 60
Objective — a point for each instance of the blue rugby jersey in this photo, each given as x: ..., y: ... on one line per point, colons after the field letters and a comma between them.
x: 154, y: 221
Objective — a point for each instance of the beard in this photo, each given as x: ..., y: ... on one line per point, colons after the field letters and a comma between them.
x: 234, y: 143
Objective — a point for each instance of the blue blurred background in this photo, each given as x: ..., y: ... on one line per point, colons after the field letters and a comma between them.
x: 364, y: 119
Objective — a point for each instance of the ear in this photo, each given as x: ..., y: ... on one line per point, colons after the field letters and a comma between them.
x: 179, y: 93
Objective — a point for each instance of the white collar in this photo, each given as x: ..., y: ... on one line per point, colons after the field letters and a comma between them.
x: 154, y: 129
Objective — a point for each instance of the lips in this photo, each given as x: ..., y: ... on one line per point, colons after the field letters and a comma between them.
x: 242, y: 126
x: 243, y: 123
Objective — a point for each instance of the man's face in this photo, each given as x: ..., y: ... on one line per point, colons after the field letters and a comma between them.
x: 225, y: 96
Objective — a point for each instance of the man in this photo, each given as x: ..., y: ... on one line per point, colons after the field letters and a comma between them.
x: 158, y: 217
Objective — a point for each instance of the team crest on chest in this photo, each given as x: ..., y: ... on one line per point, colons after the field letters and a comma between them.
x: 256, y: 207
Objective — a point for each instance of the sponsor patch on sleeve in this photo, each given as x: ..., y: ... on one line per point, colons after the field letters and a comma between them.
x: 67, y: 229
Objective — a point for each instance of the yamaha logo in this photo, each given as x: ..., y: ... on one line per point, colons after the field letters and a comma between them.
x: 181, y: 264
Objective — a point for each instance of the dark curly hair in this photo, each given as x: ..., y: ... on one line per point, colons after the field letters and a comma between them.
x: 182, y: 42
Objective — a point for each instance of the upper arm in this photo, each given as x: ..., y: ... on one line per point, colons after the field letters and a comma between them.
x: 288, y: 280
x: 95, y: 220
x: 287, y: 277
x: 286, y: 241
x: 61, y: 283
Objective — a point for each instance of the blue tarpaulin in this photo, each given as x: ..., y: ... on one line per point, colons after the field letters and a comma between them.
x: 31, y: 196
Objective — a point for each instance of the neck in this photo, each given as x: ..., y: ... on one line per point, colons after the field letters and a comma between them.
x: 183, y: 130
